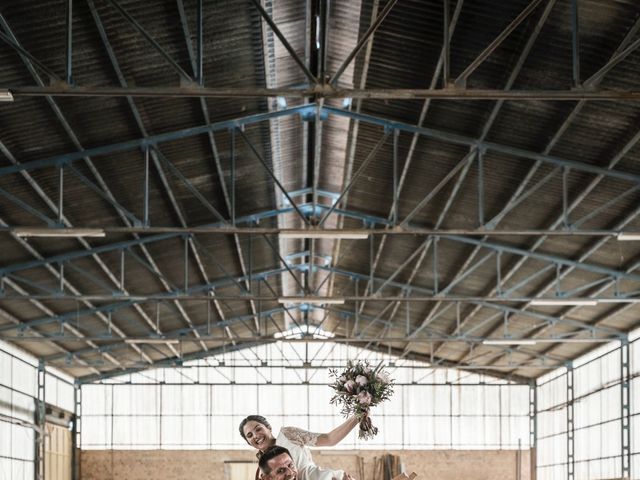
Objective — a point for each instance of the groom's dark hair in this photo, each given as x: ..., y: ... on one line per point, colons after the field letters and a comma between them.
x: 269, y: 453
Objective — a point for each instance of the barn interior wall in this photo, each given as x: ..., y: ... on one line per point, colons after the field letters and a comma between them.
x: 428, y: 464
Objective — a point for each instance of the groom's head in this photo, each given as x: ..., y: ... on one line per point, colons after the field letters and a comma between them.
x: 276, y: 464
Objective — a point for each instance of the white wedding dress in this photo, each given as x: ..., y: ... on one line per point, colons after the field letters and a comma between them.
x: 297, y: 442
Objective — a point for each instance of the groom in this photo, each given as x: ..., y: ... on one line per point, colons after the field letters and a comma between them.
x: 276, y: 464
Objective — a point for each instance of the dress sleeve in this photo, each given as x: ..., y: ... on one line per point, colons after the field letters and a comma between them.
x: 300, y: 437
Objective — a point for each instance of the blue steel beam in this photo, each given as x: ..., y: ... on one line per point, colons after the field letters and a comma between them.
x: 589, y: 188
x: 442, y: 64
x: 462, y: 78
x: 169, y: 362
x: 489, y: 124
x: 284, y: 41
x: 568, y: 120
x: 196, y: 60
x: 273, y: 176
x: 228, y: 348
x: 50, y: 222
x: 550, y: 319
x: 481, y: 144
x: 464, y: 162
x: 264, y: 275
x: 155, y: 154
x: 491, y: 146
x: 521, y: 252
x: 203, y: 329
x: 370, y: 156
x: 119, y: 305
x: 25, y: 53
x: 40, y: 192
x: 361, y: 43
x: 106, y: 196
x: 151, y: 140
x: 196, y: 193
x: 554, y: 259
x: 126, y: 244
x: 606, y: 286
x: 136, y: 25
x: 444, y: 336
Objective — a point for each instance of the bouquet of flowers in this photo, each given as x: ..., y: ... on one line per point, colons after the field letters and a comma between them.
x: 359, y: 388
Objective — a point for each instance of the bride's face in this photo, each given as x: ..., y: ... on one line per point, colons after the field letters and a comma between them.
x: 258, y: 435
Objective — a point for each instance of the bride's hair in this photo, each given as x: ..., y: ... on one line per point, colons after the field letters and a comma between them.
x: 254, y: 418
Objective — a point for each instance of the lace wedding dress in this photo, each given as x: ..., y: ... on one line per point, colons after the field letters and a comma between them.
x: 297, y: 442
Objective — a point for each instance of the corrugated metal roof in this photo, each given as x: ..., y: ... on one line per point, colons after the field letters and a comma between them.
x: 535, y: 175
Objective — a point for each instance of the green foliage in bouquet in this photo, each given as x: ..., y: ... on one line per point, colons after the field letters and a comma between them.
x: 359, y: 388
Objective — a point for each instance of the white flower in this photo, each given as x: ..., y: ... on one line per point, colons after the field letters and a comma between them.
x: 364, y: 398
x: 350, y: 386
x: 361, y: 380
x: 383, y: 377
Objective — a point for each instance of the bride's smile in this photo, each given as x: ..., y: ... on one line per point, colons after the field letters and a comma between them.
x: 258, y: 436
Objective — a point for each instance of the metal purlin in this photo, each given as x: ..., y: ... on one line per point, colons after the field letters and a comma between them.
x: 570, y: 423
x: 40, y: 421
x: 625, y: 408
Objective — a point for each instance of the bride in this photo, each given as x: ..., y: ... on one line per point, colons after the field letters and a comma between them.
x: 256, y: 430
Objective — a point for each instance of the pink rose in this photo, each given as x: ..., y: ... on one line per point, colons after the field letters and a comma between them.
x: 361, y: 380
x: 350, y: 386
x: 383, y: 377
x: 364, y: 398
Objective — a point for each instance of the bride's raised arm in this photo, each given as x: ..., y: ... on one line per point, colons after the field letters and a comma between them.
x: 336, y: 435
x: 330, y: 439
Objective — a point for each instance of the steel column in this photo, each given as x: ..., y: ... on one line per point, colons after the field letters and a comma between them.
x: 625, y: 408
x: 570, y: 423
x: 41, y: 413
x: 533, y: 426
x: 76, y: 431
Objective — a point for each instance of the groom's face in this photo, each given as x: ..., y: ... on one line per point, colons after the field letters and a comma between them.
x: 281, y: 468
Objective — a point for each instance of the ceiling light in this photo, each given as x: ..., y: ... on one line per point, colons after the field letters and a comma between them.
x: 628, y: 236
x: 151, y: 341
x: 509, y: 341
x: 331, y: 234
x: 58, y: 232
x: 6, y: 96
x: 313, y: 300
x: 563, y: 302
